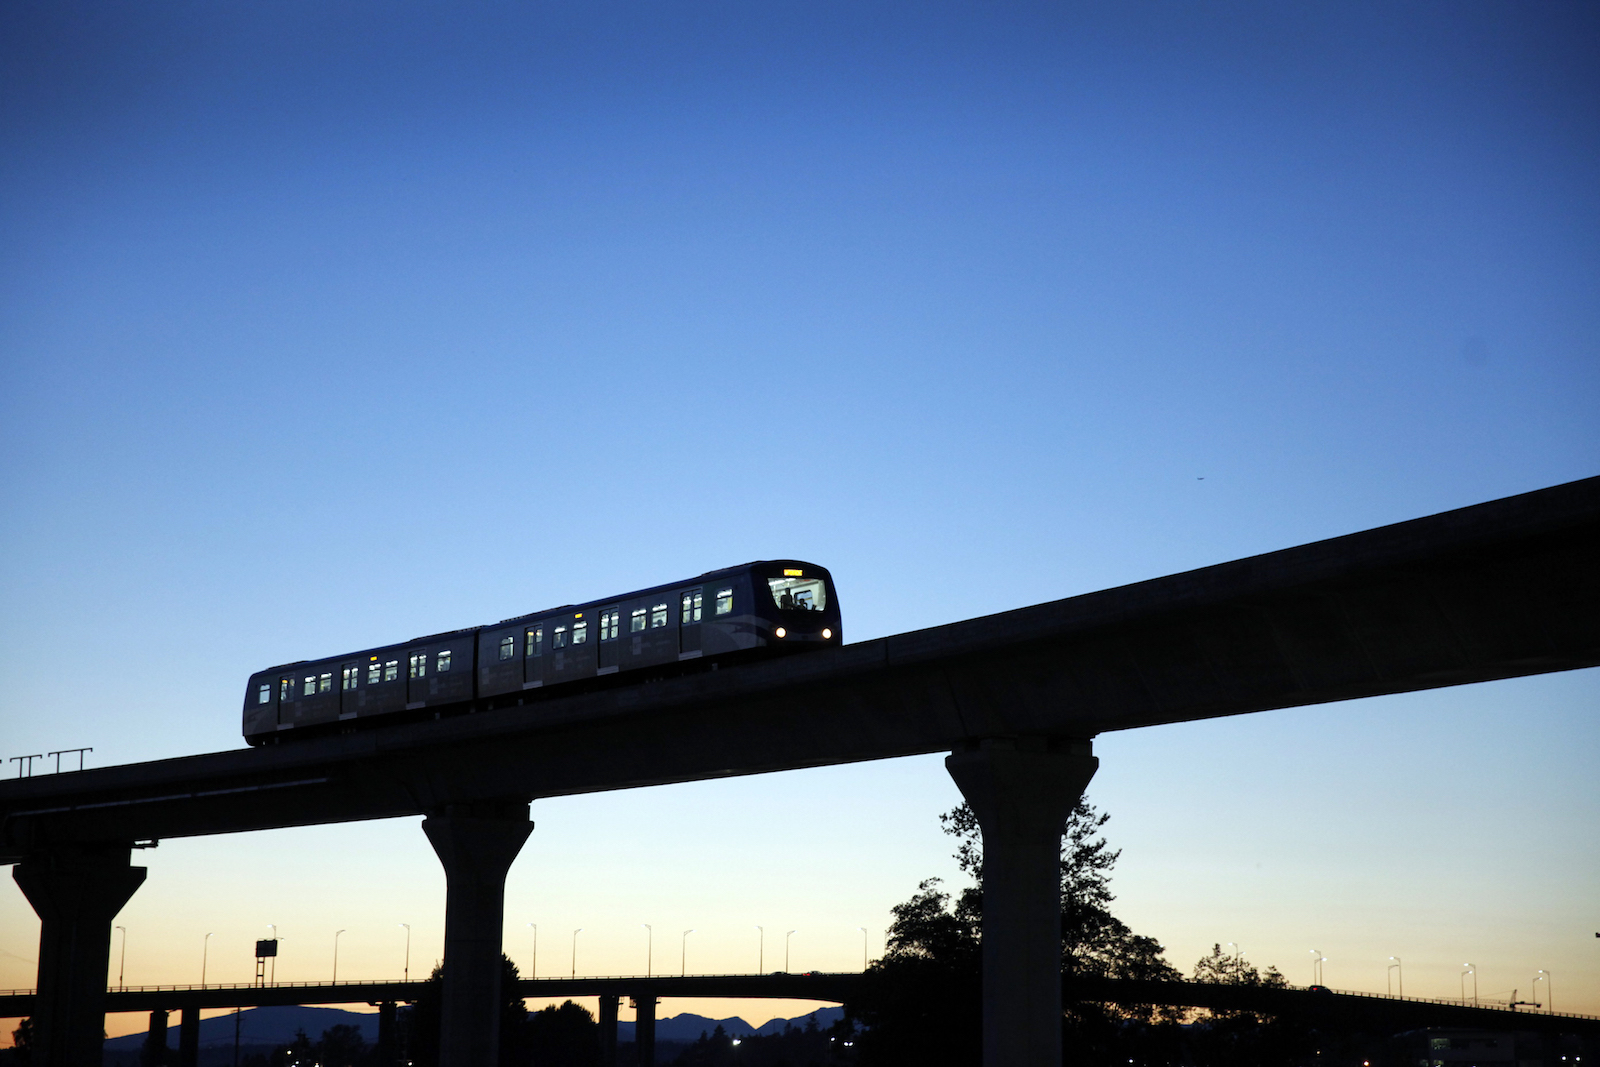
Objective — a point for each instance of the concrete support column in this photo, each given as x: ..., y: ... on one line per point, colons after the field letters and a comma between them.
x: 1022, y: 791
x: 189, y: 1038
x: 476, y: 844
x: 76, y: 892
x: 608, y: 1030
x: 154, y: 1053
x: 386, y: 1034
x: 644, y: 1030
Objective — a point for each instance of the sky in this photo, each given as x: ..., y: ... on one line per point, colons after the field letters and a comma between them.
x: 327, y: 325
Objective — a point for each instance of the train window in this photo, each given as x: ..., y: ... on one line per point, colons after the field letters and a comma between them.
x: 374, y: 672
x: 443, y: 664
x: 691, y: 609
x: 799, y: 594
x: 636, y: 621
x: 559, y: 638
x: 284, y: 685
x: 311, y: 685
x: 724, y: 601
x: 658, y: 616
x: 266, y: 694
x: 580, y: 632
x: 508, y: 646
x: 419, y: 664
x: 325, y: 683
x: 609, y: 623
x: 391, y: 670
x: 535, y: 637
x: 349, y: 678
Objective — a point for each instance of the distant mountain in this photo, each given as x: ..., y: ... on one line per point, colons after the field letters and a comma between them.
x: 277, y: 1026
x: 262, y: 1026
x: 687, y: 1027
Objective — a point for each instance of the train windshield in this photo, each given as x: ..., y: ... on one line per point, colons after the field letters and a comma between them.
x: 799, y: 594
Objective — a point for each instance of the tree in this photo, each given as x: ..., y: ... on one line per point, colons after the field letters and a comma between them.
x: 565, y: 1036
x: 921, y: 1002
x: 341, y: 1046
x: 1222, y: 1037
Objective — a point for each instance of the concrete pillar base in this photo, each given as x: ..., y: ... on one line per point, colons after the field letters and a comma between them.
x: 644, y: 1030
x: 76, y: 891
x: 1022, y: 790
x: 608, y: 1030
x: 189, y: 1038
x: 476, y: 844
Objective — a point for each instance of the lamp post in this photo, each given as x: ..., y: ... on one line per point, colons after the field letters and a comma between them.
x: 407, y: 977
x: 336, y: 934
x: 122, y: 966
x: 683, y: 962
x: 1549, y: 999
x: 533, y: 972
x: 575, y: 934
x: 1472, y: 970
x: 205, y: 951
x: 1316, y: 966
x: 863, y: 930
x: 273, y: 980
x: 786, y: 938
x: 649, y: 948
x: 1238, y: 958
x: 1395, y: 966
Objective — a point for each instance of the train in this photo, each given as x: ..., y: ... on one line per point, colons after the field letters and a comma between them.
x: 764, y: 608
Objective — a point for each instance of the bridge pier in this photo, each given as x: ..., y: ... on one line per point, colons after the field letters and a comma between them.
x: 644, y: 1030
x: 608, y: 1030
x: 154, y: 1053
x: 76, y: 892
x: 189, y: 1037
x: 476, y: 844
x: 386, y: 1034
x: 1022, y: 790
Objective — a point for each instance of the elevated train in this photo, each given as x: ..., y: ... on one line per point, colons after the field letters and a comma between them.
x: 764, y: 608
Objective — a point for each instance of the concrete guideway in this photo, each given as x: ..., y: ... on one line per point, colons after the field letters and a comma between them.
x: 1499, y: 590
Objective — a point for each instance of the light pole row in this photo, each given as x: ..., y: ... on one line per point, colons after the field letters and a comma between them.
x: 683, y: 950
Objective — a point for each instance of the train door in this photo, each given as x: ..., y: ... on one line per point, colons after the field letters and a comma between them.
x: 349, y: 683
x: 533, y: 655
x: 690, y: 608
x: 609, y: 646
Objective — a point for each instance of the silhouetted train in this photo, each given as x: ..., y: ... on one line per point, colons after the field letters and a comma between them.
x: 766, y: 607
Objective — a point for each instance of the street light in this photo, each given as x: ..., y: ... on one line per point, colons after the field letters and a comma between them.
x: 1316, y: 966
x: 1472, y: 970
x: 1549, y: 999
x: 761, y: 949
x: 407, y: 977
x: 336, y: 934
x: 534, y: 971
x: 683, y: 963
x: 122, y: 967
x: 274, y: 979
x: 649, y: 948
x: 205, y: 951
x: 863, y: 930
x: 575, y: 934
x: 1395, y: 966
x: 786, y: 938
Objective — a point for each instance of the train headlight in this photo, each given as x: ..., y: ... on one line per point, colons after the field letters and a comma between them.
x: 826, y: 634
x: 781, y: 632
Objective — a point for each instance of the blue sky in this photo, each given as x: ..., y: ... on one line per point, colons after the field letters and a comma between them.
x: 327, y: 325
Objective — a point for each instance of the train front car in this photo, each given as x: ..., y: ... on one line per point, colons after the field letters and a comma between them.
x: 797, y: 605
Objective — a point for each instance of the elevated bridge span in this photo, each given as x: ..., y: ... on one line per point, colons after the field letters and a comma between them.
x: 1498, y: 590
